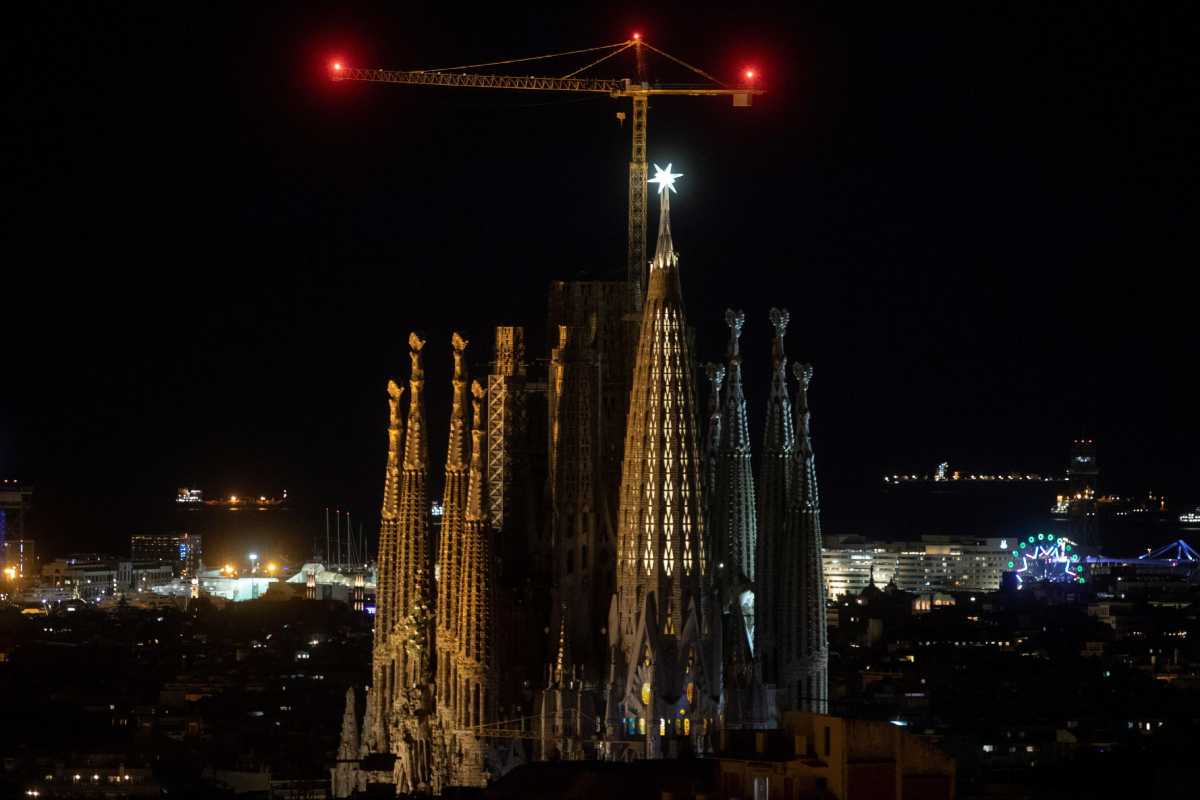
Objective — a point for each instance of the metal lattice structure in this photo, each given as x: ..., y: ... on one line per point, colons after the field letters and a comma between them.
x: 506, y: 410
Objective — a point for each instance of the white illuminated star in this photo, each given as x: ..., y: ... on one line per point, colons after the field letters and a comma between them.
x: 665, y: 178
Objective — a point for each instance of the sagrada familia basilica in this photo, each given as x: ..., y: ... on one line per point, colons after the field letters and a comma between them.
x: 610, y: 579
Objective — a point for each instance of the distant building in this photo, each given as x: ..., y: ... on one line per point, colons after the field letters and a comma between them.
x: 16, y: 501
x: 949, y: 563
x: 20, y: 555
x: 91, y: 580
x: 184, y: 550
x: 821, y: 756
x: 1077, y: 508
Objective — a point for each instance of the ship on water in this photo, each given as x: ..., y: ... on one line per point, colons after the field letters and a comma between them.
x: 194, y: 498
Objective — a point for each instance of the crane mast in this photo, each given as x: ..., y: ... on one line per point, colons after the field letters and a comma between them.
x: 639, y: 93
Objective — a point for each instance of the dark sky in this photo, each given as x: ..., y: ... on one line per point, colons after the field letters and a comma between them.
x: 983, y: 221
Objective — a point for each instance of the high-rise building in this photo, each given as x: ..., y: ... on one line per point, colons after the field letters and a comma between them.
x: 20, y: 556
x: 183, y: 550
x: 16, y: 501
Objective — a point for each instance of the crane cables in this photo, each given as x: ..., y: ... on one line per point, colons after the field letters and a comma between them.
x: 616, y: 49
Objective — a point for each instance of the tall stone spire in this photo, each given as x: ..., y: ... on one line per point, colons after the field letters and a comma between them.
x: 477, y: 679
x: 383, y: 669
x: 774, y: 497
x: 660, y: 643
x: 735, y: 509
x: 412, y: 643
x: 386, y: 612
x: 736, y: 530
x: 803, y: 642
x: 345, y: 777
x: 413, y: 567
x: 454, y: 506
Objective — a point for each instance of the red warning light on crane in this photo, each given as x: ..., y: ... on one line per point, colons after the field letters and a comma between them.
x: 637, y: 35
x: 336, y: 66
x: 749, y: 73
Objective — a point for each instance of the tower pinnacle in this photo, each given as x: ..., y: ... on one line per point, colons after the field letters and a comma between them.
x: 775, y: 491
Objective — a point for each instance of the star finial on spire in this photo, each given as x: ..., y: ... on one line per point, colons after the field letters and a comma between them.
x: 665, y: 178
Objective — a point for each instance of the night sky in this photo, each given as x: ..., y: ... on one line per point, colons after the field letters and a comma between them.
x: 983, y: 222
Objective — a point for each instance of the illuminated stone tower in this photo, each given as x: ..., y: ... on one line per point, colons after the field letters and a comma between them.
x: 659, y: 698
x: 803, y: 644
x: 475, y: 694
x: 383, y: 665
x: 412, y: 639
x: 581, y: 552
x: 345, y: 777
x: 733, y: 526
x: 774, y: 497
x: 454, y: 506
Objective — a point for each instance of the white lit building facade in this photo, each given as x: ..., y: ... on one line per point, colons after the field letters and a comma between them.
x: 949, y: 563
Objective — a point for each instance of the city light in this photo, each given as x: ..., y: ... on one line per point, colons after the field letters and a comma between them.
x: 637, y: 36
x: 337, y: 66
x: 749, y: 73
x: 10, y: 573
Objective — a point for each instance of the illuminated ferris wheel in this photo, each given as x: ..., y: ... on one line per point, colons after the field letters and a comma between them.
x: 1045, y: 558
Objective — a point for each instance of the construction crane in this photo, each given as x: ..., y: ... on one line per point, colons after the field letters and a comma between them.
x: 638, y: 91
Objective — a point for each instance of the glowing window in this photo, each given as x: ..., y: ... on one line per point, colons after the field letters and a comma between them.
x: 642, y: 725
x: 646, y: 694
x: 687, y: 726
x: 691, y: 692
x: 662, y: 727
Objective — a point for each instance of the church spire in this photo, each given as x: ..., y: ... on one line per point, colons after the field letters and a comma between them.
x: 476, y: 680
x: 662, y: 575
x: 774, y: 487
x: 735, y: 499
x: 454, y: 504
x: 413, y: 590
x: 664, y: 274
x: 391, y: 508
x: 803, y: 642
